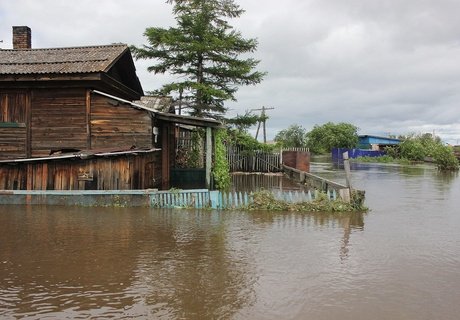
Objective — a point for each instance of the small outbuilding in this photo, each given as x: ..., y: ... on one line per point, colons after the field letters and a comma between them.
x: 376, y: 142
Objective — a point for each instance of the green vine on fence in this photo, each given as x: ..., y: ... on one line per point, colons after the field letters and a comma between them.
x: 220, y: 170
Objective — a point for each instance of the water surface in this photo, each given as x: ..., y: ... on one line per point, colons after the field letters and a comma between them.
x: 399, y: 261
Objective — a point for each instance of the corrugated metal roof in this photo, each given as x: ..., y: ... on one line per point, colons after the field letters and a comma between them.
x: 60, y: 60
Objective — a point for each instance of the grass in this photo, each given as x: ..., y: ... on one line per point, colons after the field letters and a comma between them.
x: 382, y: 159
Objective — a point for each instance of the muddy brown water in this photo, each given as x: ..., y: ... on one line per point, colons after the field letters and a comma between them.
x: 401, y: 260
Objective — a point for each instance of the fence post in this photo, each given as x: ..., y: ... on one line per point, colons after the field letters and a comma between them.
x: 209, y: 152
x: 346, y: 165
x: 214, y: 198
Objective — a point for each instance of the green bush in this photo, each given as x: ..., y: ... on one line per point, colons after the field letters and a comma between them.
x: 413, y: 150
x: 245, y: 141
x: 220, y: 170
x: 445, y: 159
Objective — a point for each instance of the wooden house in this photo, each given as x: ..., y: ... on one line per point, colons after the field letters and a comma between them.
x: 67, y: 120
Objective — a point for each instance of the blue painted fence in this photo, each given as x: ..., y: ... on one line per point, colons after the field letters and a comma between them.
x: 203, y: 198
x: 195, y: 198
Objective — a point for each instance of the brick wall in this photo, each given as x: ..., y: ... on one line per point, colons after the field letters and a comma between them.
x: 22, y: 37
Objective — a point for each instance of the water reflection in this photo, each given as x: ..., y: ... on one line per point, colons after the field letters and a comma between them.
x: 118, y: 262
x: 133, y: 262
x: 400, y: 260
x: 58, y: 260
x: 191, y: 271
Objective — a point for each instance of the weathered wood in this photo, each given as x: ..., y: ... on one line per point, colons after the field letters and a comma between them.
x: 88, y: 119
x: 28, y: 106
x: 58, y: 120
x: 254, y: 161
x: 13, y: 143
x: 103, y: 173
x: 118, y: 124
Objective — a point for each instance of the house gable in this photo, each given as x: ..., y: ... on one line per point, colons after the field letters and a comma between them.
x: 109, y: 68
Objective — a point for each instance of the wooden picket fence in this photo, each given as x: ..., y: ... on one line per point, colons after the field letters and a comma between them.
x: 240, y: 160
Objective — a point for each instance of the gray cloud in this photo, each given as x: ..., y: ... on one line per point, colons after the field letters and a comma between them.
x: 385, y: 66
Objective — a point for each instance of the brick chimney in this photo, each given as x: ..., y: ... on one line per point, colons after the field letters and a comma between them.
x: 22, y: 37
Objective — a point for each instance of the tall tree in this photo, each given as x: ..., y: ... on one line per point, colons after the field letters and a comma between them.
x: 321, y: 139
x: 294, y: 136
x: 203, y: 52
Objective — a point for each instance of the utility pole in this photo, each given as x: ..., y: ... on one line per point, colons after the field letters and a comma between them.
x: 262, y: 119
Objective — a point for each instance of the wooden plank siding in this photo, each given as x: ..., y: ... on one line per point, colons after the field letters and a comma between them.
x: 12, y: 142
x: 117, y: 124
x: 58, y: 120
x: 142, y: 171
x: 13, y: 106
x: 13, y: 124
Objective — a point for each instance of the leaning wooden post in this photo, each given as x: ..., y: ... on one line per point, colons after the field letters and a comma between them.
x: 346, y: 165
x: 209, y: 152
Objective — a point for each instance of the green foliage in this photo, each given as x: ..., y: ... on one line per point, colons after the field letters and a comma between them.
x: 412, y: 149
x: 203, y: 53
x: 195, y: 159
x: 321, y: 139
x: 420, y: 147
x: 243, y: 122
x: 445, y: 158
x: 382, y: 159
x: 264, y: 200
x: 220, y: 170
x: 392, y: 151
x: 246, y: 142
x: 192, y: 157
x: 294, y: 136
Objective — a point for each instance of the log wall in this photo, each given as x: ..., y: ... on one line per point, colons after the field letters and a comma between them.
x: 116, y: 124
x: 58, y: 120
x: 12, y: 142
x: 14, y: 105
x: 46, y: 120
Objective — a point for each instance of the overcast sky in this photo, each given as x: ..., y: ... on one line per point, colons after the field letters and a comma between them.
x: 388, y: 67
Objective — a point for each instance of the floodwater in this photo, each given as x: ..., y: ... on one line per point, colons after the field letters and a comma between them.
x: 401, y: 260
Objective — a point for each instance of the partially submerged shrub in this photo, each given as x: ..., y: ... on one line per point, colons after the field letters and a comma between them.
x: 445, y: 159
x: 265, y: 200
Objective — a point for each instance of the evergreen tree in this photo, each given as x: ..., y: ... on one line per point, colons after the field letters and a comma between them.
x: 203, y: 52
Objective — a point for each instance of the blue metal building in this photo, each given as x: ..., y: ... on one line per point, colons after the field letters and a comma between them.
x: 369, y: 142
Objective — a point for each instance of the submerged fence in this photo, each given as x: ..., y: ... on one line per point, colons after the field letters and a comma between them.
x: 196, y: 198
x: 204, y: 198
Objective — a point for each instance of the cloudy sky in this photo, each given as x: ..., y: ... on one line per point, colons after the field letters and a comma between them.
x: 388, y: 67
